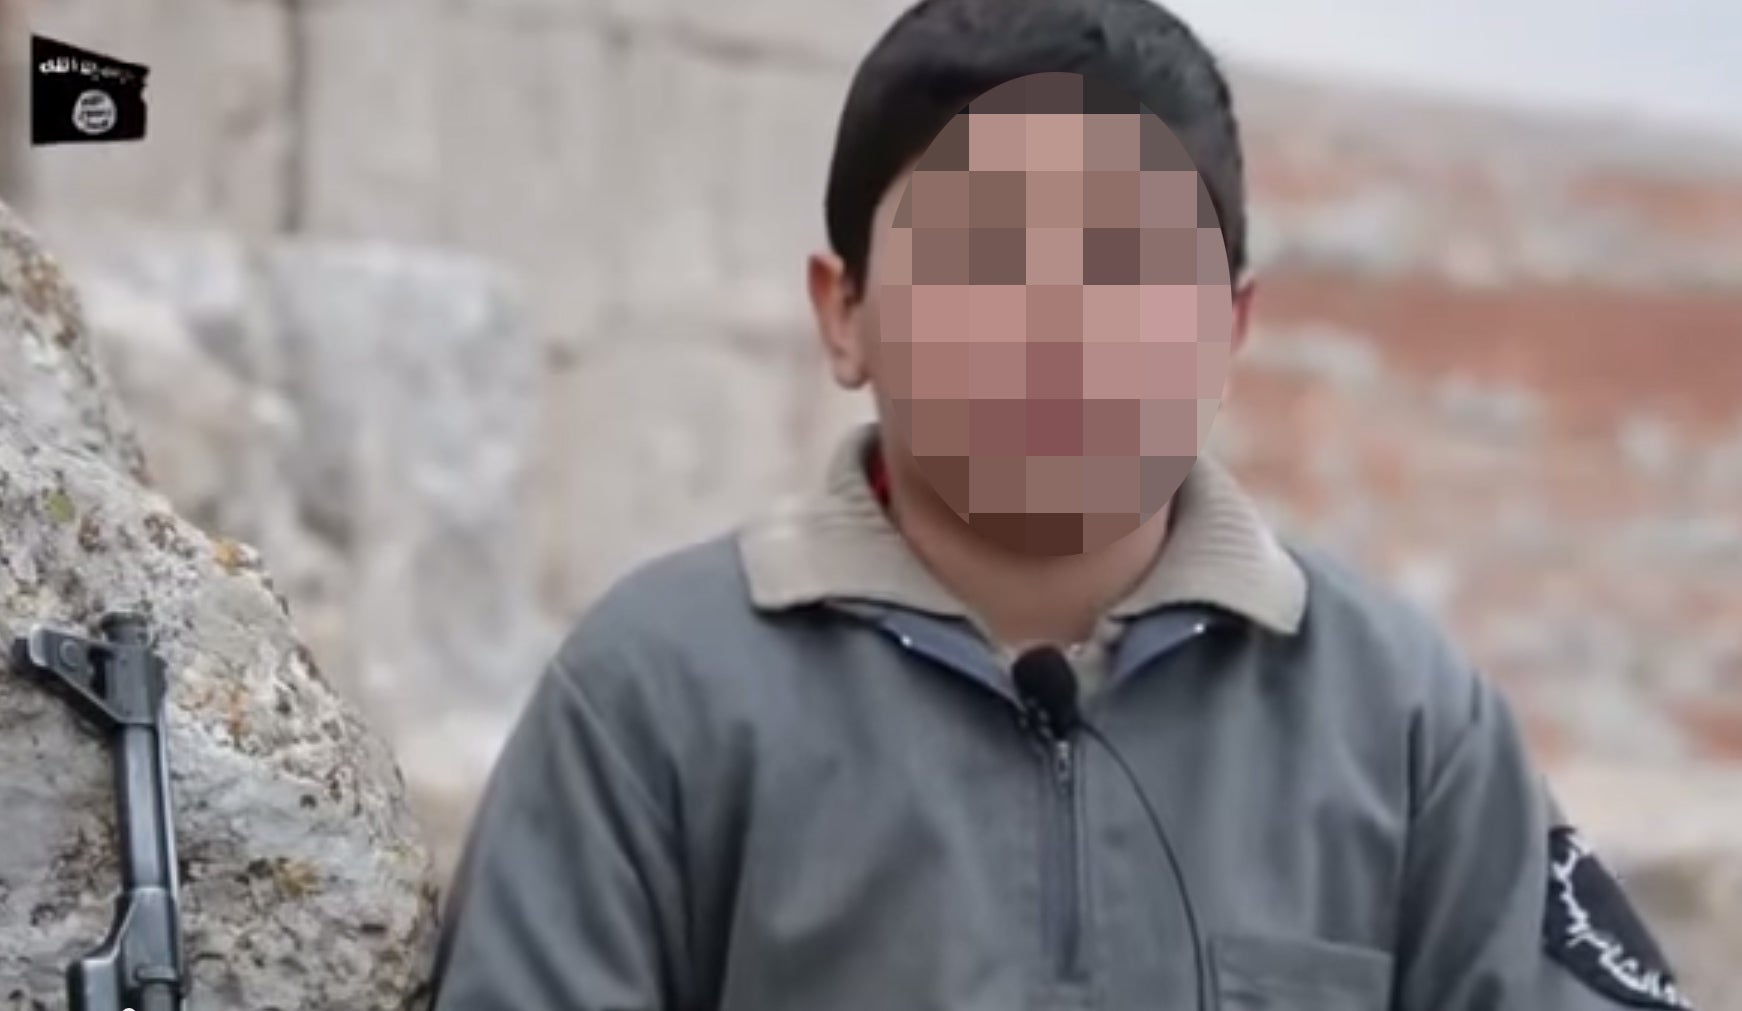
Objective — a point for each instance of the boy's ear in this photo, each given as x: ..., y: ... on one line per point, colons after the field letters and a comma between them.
x: 836, y: 303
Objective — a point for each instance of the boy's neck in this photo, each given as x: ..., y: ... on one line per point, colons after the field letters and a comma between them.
x: 1021, y: 599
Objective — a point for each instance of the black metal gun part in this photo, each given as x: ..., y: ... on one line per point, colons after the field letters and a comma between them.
x: 117, y: 685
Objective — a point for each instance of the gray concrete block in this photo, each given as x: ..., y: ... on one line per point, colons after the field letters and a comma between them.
x: 670, y: 131
x: 792, y: 32
x: 663, y: 436
x: 717, y: 185
x: 525, y: 147
x: 775, y: 172
x: 371, y: 165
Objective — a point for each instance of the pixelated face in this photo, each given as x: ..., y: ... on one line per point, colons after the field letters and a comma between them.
x: 1052, y: 314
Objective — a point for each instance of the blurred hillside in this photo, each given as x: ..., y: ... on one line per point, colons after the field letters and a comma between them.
x: 1509, y: 358
x: 1499, y: 358
x: 1500, y: 364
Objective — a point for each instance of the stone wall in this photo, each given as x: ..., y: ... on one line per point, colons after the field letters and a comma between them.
x: 1541, y: 300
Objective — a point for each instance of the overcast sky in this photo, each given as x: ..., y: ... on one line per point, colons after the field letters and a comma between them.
x: 1678, y: 61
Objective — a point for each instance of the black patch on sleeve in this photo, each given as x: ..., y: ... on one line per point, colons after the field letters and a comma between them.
x: 1591, y: 928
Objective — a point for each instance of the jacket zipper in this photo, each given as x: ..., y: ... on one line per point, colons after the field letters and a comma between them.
x: 1064, y: 856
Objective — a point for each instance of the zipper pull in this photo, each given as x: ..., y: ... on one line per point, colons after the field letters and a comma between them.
x: 1062, y: 760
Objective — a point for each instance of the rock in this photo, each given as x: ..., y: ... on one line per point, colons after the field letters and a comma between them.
x: 304, y: 881
x: 177, y: 325
x: 46, y: 366
x: 365, y: 415
x: 1674, y: 837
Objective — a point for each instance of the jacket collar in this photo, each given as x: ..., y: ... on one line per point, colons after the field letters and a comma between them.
x: 839, y: 545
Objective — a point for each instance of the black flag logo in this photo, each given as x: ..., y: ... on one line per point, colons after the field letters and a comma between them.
x: 78, y: 96
x: 1592, y: 929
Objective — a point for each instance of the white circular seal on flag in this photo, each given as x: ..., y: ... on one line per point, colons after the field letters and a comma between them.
x: 1591, y: 928
x: 94, y: 112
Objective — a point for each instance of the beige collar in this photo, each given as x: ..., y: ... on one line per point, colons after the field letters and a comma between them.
x: 840, y: 545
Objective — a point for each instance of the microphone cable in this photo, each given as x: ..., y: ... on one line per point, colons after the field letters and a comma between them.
x: 1047, y: 685
x: 1202, y: 970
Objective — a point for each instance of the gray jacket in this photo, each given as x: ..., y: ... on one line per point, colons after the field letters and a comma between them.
x: 784, y: 771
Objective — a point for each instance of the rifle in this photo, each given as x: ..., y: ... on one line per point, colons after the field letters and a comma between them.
x: 117, y: 684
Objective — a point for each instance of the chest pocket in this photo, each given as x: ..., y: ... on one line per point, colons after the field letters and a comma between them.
x: 1262, y: 973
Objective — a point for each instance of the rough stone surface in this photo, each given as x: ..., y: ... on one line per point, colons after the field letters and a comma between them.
x: 304, y: 882
x: 181, y: 322
x: 361, y: 414
x: 47, y: 367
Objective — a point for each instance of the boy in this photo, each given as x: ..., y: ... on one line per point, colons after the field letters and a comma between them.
x: 828, y: 763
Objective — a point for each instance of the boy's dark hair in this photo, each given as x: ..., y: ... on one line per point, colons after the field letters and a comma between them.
x: 942, y: 54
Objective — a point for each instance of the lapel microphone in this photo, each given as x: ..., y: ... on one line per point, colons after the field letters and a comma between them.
x: 1047, y: 686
